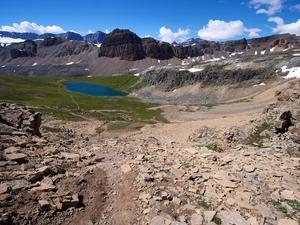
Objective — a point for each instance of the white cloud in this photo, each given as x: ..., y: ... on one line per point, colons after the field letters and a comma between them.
x: 26, y: 26
x: 167, y: 35
x: 218, y: 30
x: 295, y: 7
x: 292, y: 28
x: 269, y: 7
x: 253, y: 32
x: 90, y: 31
x: 106, y: 31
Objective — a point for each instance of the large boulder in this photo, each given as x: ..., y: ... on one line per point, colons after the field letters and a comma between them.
x: 284, y: 122
x: 14, y: 117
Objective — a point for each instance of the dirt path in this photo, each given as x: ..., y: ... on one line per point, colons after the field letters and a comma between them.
x: 184, y: 123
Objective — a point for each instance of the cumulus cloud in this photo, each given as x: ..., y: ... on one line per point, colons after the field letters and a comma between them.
x: 167, y: 35
x: 26, y: 26
x: 253, y: 32
x: 292, y: 28
x: 218, y: 30
x: 269, y: 7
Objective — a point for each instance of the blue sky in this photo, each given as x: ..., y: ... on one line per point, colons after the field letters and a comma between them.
x: 213, y: 19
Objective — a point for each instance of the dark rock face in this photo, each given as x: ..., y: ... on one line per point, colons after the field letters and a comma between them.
x: 235, y: 46
x: 168, y: 80
x: 128, y: 46
x: 46, y: 35
x: 183, y: 52
x: 71, y: 36
x: 157, y: 50
x: 71, y: 48
x: 24, y: 49
x: 191, y: 48
x: 124, y: 44
x: 51, y: 41
x: 95, y: 38
x: 284, y: 122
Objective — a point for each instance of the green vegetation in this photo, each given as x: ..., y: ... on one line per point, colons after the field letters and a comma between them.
x: 52, y: 129
x: 99, y: 130
x: 257, y: 139
x: 210, y: 105
x: 202, y: 202
x: 216, y: 66
x: 118, y: 125
x: 213, y: 146
x: 294, y: 204
x: 217, y: 220
x: 280, y: 207
x: 48, y: 95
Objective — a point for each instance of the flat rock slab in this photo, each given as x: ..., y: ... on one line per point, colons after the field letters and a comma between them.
x: 16, y: 185
x: 4, y: 188
x: 192, y: 151
x: 17, y: 157
x: 287, y: 222
x: 165, y: 220
x: 44, y: 187
x: 209, y: 215
x: 71, y: 156
x: 231, y: 218
x: 196, y: 219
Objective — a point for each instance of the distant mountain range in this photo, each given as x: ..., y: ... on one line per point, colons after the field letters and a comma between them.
x: 123, y: 51
x: 93, y: 38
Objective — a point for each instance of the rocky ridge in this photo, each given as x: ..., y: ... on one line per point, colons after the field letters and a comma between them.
x: 126, y: 52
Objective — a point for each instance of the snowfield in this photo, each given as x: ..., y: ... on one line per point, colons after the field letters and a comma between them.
x: 8, y: 40
x: 293, y: 72
x: 194, y: 70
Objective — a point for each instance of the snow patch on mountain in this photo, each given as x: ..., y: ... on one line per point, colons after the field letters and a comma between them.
x: 293, y: 72
x: 8, y: 40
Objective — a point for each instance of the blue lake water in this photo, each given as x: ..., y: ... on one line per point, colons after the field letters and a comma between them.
x: 92, y: 89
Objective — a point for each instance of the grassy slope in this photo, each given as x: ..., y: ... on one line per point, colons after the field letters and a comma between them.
x: 48, y: 95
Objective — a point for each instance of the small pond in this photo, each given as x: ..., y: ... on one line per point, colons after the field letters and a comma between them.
x: 92, y: 89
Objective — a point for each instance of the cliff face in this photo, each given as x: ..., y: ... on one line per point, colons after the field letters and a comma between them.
x: 168, y: 80
x: 95, y: 38
x: 24, y: 49
x: 124, y: 44
x: 157, y: 50
x: 127, y: 45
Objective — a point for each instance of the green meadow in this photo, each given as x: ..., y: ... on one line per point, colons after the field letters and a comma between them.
x: 48, y: 95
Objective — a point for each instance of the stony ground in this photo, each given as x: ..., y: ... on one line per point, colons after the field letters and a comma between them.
x: 74, y: 174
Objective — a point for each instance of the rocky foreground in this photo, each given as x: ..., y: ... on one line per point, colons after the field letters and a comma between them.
x: 70, y: 173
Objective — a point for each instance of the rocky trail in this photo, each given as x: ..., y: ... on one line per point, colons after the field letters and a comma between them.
x: 237, y: 170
